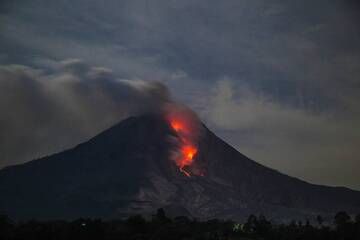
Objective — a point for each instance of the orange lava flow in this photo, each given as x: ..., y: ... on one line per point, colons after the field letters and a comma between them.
x: 187, y: 158
x: 188, y: 149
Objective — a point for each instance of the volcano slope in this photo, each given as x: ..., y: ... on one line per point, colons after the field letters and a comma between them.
x: 128, y: 170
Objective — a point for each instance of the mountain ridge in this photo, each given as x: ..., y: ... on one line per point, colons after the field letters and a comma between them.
x: 127, y: 169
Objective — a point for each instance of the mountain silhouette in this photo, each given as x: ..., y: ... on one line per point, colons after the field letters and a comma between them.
x: 128, y: 170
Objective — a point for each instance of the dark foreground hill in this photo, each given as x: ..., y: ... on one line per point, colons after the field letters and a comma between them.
x: 127, y: 170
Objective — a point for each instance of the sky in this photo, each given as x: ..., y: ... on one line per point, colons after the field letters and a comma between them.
x: 278, y: 80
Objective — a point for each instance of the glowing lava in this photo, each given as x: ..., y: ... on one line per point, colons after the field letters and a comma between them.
x: 177, y: 125
x: 187, y: 149
x: 187, y: 158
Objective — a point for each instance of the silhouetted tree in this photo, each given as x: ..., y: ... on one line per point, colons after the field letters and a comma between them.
x: 341, y: 219
x: 6, y: 226
x: 136, y: 224
x: 343, y: 225
x: 181, y: 228
x: 160, y: 217
x: 262, y: 226
x: 357, y: 218
x: 357, y: 225
x: 249, y: 226
x: 320, y: 220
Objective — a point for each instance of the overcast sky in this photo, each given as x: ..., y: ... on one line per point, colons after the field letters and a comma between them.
x: 279, y: 80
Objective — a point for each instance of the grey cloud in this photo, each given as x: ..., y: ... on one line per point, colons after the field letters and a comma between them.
x: 320, y: 147
x: 48, y: 110
x: 266, y: 43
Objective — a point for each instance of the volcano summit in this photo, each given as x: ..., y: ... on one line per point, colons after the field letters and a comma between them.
x: 151, y: 161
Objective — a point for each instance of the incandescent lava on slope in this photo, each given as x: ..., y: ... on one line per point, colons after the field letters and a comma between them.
x: 186, y: 125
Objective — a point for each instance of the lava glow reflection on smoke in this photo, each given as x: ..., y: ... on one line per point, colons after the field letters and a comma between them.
x: 176, y: 125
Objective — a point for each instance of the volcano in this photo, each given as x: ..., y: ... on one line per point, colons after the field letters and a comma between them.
x: 130, y: 169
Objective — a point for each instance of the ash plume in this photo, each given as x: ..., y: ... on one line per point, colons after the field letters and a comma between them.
x: 46, y: 110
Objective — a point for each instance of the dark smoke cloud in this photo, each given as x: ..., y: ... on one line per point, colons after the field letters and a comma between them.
x: 46, y: 110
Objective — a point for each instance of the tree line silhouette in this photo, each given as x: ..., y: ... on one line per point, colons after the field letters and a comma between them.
x: 161, y: 227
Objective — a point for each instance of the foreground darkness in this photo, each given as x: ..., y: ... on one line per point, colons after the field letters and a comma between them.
x: 161, y: 227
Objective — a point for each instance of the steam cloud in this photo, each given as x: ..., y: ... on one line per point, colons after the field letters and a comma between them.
x: 43, y: 111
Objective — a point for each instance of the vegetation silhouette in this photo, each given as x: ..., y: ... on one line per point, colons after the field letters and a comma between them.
x: 161, y: 227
